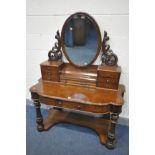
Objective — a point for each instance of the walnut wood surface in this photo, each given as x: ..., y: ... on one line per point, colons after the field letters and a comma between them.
x: 94, y: 95
x: 100, y: 76
x: 93, y: 89
x: 90, y: 88
x: 73, y: 75
x: 99, y: 125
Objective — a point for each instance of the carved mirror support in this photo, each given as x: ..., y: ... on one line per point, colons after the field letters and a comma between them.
x: 55, y: 53
x: 108, y: 57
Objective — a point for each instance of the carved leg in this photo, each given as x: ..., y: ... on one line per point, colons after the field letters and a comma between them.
x: 111, y: 131
x: 39, y: 118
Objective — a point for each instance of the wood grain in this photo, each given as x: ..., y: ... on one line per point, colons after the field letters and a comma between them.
x: 99, y: 125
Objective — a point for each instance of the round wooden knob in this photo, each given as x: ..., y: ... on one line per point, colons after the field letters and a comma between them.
x: 115, y: 117
x: 79, y: 107
x: 107, y: 81
x: 59, y: 103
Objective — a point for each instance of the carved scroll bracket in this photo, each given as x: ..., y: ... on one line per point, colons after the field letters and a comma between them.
x: 55, y: 53
x: 108, y: 57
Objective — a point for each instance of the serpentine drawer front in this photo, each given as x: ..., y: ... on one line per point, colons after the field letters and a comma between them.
x: 76, y: 106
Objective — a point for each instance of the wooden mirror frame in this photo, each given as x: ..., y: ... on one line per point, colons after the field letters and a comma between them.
x: 108, y: 57
x: 98, y: 37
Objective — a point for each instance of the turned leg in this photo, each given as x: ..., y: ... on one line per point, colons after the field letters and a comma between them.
x: 39, y: 118
x: 58, y: 108
x: 111, y: 131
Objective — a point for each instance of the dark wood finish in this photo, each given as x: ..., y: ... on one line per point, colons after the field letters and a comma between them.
x: 63, y: 40
x: 55, y: 53
x: 111, y: 130
x: 108, y: 57
x: 39, y: 118
x: 89, y: 89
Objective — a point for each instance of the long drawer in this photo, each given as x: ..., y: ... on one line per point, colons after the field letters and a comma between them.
x: 75, y: 105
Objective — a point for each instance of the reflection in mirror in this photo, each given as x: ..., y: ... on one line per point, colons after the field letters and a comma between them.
x: 81, y: 40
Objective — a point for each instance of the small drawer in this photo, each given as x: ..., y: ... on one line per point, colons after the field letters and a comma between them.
x: 49, y: 74
x: 46, y: 68
x: 49, y: 68
x: 71, y: 105
x: 108, y: 80
x: 107, y: 74
x: 48, y: 101
x: 53, y: 74
x: 107, y: 85
x: 50, y: 77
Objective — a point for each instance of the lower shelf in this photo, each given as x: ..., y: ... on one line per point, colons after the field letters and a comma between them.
x: 99, y: 125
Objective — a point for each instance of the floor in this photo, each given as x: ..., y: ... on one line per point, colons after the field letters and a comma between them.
x: 67, y: 139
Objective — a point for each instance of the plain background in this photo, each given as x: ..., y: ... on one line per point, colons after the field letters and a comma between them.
x: 44, y: 18
x: 13, y: 77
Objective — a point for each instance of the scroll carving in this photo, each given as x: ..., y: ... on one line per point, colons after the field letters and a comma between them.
x: 55, y: 53
x: 108, y: 57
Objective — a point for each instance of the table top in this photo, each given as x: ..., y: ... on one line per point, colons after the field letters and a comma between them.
x: 87, y: 95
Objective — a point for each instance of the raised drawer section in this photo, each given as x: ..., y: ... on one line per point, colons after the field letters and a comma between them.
x: 108, y: 77
x: 49, y: 74
x: 75, y: 105
x: 50, y: 70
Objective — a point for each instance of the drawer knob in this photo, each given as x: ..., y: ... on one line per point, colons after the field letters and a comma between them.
x: 78, y: 107
x: 107, y: 81
x: 59, y: 103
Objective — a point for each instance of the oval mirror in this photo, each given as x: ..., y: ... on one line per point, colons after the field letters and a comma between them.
x: 81, y: 39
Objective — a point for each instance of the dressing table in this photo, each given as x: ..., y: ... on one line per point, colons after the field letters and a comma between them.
x: 78, y: 91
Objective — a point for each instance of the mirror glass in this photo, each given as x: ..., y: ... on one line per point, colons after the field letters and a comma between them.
x: 80, y: 39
